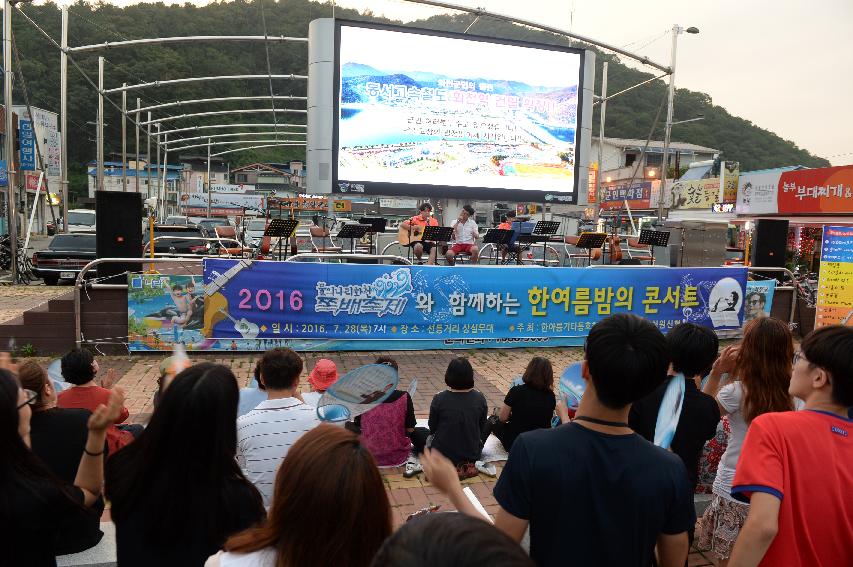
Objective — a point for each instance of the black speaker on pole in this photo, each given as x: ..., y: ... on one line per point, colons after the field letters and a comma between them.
x: 118, y: 218
x: 768, y: 245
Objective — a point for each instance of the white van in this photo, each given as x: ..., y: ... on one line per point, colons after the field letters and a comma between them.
x: 81, y: 220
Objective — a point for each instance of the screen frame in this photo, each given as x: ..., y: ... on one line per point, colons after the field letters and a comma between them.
x: 427, y: 191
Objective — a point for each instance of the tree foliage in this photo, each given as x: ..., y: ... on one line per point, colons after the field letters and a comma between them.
x: 628, y: 116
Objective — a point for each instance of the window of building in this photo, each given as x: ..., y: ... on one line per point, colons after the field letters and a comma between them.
x: 241, y: 178
x: 654, y: 160
x: 630, y: 159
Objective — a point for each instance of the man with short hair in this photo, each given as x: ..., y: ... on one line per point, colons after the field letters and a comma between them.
x: 415, y: 228
x: 593, y: 492
x: 465, y: 234
x: 755, y: 302
x: 795, y: 467
x: 692, y: 351
x: 265, y: 434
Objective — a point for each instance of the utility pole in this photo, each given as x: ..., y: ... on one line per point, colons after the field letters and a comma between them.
x: 100, y: 136
x: 63, y: 117
x: 598, y: 195
x: 11, y: 196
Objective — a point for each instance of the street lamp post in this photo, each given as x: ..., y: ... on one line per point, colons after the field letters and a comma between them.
x: 676, y: 29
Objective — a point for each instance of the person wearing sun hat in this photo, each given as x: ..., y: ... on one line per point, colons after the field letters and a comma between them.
x: 324, y: 374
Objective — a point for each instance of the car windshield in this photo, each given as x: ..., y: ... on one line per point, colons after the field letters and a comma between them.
x: 82, y: 218
x: 73, y: 242
x: 177, y: 232
x: 214, y: 222
x: 257, y: 225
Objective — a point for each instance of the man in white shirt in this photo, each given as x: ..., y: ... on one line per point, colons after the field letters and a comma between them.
x: 265, y: 434
x: 465, y: 234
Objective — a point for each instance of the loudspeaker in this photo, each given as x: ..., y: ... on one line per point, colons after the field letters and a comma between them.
x: 118, y: 221
x: 769, y: 243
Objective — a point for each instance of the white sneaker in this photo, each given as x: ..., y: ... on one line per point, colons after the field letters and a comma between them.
x: 487, y: 469
x: 413, y: 467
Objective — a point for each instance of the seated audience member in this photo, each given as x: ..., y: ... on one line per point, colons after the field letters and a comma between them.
x: 324, y: 374
x: 37, y: 506
x: 760, y: 366
x: 176, y: 492
x: 79, y: 367
x: 58, y: 437
x: 795, y: 467
x: 457, y: 420
x: 528, y: 406
x: 330, y: 508
x: 265, y: 434
x: 254, y: 394
x: 386, y: 428
x: 450, y: 539
x: 692, y: 351
x: 619, y: 496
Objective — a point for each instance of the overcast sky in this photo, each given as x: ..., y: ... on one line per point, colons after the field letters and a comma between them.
x: 785, y: 65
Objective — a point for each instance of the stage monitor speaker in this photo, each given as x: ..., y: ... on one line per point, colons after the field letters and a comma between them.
x: 769, y: 243
x: 118, y: 221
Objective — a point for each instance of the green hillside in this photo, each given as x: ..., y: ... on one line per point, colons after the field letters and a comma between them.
x: 628, y: 116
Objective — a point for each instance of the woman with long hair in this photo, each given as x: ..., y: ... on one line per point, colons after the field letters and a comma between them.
x: 527, y: 406
x: 58, y: 437
x: 758, y: 371
x: 329, y: 508
x: 177, y: 492
x: 35, y: 505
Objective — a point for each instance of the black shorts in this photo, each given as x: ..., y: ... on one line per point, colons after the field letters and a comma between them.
x: 427, y: 245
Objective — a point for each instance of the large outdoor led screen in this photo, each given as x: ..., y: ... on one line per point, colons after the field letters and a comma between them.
x: 449, y: 115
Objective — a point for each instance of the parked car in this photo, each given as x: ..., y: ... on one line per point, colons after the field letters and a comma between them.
x: 81, y: 220
x: 208, y: 225
x: 64, y: 257
x: 253, y: 232
x: 176, y: 239
x: 177, y: 220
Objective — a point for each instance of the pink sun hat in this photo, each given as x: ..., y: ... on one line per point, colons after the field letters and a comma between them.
x: 325, y: 374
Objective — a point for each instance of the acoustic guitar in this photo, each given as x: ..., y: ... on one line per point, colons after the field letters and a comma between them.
x: 415, y: 233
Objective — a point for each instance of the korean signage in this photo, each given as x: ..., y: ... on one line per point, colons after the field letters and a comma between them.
x: 4, y: 173
x: 27, y: 138
x: 827, y: 190
x: 45, y: 127
x: 591, y: 181
x: 301, y: 203
x: 225, y: 201
x: 729, y: 175
x: 231, y: 188
x: 694, y: 194
x: 356, y: 307
x: 835, y: 294
x: 643, y: 195
x: 32, y: 182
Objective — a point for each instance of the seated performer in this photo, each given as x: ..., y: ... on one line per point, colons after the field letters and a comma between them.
x: 465, y: 234
x: 415, y: 227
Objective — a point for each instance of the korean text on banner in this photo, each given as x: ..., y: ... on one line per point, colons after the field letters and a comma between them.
x: 343, y: 301
x: 824, y: 190
x: 835, y: 294
x: 27, y: 137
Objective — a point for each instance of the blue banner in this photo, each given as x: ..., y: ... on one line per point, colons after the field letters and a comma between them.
x: 27, y: 138
x: 4, y: 173
x: 258, y: 302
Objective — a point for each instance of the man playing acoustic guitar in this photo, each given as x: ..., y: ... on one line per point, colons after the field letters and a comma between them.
x: 412, y: 231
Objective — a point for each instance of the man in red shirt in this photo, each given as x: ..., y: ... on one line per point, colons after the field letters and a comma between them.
x: 415, y: 229
x: 79, y: 367
x: 796, y: 468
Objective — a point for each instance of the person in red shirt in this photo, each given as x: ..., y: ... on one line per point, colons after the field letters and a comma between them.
x: 415, y: 227
x: 507, y: 225
x: 79, y: 367
x: 795, y: 467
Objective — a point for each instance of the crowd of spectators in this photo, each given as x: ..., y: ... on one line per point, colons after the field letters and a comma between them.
x: 225, y: 477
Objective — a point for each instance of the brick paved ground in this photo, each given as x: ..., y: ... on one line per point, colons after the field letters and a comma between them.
x: 494, y: 370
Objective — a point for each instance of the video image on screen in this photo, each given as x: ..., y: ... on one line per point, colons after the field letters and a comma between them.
x: 434, y: 110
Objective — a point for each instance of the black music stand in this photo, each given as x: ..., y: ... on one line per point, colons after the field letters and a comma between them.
x: 438, y: 233
x: 377, y: 225
x: 653, y: 238
x: 590, y: 240
x: 546, y: 228
x: 499, y: 237
x: 353, y: 231
x: 283, y: 229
